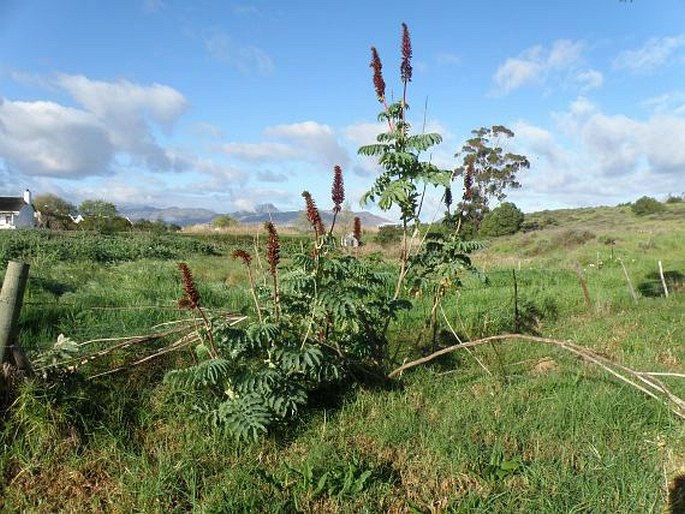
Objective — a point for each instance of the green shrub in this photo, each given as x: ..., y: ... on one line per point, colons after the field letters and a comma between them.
x: 647, y: 205
x: 503, y: 220
x: 388, y: 235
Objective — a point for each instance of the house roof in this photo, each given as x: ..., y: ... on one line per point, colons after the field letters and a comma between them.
x: 11, y: 203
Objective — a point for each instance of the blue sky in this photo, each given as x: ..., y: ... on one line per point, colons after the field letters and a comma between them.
x: 228, y: 105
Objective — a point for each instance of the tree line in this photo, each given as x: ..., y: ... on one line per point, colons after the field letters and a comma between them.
x: 57, y: 213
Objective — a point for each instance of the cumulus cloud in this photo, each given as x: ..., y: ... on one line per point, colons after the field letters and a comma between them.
x: 244, y: 58
x: 364, y: 133
x: 539, y: 142
x: 663, y: 140
x: 515, y: 72
x: 114, y: 126
x: 128, y: 111
x: 45, y: 138
x: 125, y: 103
x: 316, y: 142
x: 537, y: 64
x: 307, y: 141
x: 598, y: 155
x: 655, y: 53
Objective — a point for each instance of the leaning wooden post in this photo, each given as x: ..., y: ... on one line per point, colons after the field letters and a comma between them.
x: 630, y: 284
x: 663, y: 280
x: 11, y: 297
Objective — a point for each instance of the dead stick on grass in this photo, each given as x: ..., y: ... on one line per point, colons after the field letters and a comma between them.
x: 630, y: 284
x: 584, y: 353
x: 178, y: 345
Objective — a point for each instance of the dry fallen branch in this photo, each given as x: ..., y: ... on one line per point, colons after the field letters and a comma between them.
x: 185, y: 330
x: 643, y: 381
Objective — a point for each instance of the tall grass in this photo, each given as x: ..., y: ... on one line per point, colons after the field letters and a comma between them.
x: 539, y: 431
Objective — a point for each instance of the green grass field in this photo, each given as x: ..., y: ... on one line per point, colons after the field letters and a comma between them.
x: 530, y: 429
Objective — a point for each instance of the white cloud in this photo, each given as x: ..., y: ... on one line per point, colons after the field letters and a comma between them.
x: 589, y: 79
x: 314, y: 142
x: 670, y: 102
x: 128, y: 112
x: 613, y: 142
x: 115, y: 128
x: 260, y: 152
x: 244, y: 58
x: 124, y: 101
x: 654, y: 53
x: 220, y: 171
x: 564, y: 53
x: 248, y: 199
x: 663, y: 139
x: 45, y: 138
x: 598, y: 157
x: 206, y: 130
x: 361, y: 134
x: 514, y: 73
x: 536, y: 141
x: 536, y: 65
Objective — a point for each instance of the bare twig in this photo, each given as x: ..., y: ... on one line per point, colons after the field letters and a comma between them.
x: 641, y: 380
x: 454, y: 334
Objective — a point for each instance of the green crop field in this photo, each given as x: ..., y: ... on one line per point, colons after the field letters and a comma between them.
x: 508, y: 426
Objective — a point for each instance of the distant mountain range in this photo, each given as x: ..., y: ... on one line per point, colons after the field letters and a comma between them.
x: 184, y: 217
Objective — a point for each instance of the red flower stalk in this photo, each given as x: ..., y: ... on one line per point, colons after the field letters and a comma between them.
x: 191, y: 300
x: 378, y: 82
x: 244, y: 256
x: 273, y: 248
x: 357, y: 229
x: 313, y: 214
x: 191, y: 296
x: 405, y: 67
x: 338, y: 189
x: 247, y: 260
x: 468, y: 182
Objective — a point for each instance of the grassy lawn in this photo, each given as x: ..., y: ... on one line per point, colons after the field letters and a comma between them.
x: 507, y: 427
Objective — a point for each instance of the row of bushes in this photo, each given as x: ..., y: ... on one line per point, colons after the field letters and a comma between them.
x: 32, y: 244
x: 29, y: 245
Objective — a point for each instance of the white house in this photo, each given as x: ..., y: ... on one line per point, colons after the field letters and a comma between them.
x: 17, y: 211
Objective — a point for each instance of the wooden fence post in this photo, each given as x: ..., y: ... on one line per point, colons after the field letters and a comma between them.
x: 11, y: 297
x: 630, y: 284
x: 583, y: 285
x: 517, y: 316
x: 663, y: 280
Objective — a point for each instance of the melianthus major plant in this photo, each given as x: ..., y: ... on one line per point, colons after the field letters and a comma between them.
x: 404, y: 176
x: 319, y: 319
x: 323, y: 315
x: 433, y: 267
